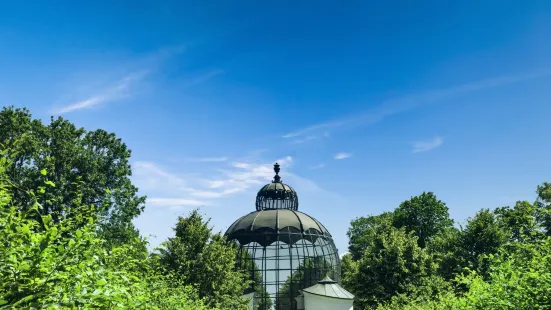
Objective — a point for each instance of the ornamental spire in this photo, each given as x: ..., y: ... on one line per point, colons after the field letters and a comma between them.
x: 277, y: 178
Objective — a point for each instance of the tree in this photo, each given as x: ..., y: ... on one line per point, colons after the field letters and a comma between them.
x: 64, y: 265
x: 349, y: 267
x: 455, y: 249
x: 421, y: 294
x: 362, y: 231
x: 391, y: 263
x: 206, y: 261
x: 544, y: 205
x: 445, y: 248
x: 481, y: 237
x: 521, y: 221
x: 520, y: 278
x: 424, y: 215
x: 95, y: 162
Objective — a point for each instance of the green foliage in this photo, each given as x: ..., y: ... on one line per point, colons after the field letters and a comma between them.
x: 454, y: 249
x: 63, y: 264
x: 499, y: 260
x: 206, y: 261
x: 363, y: 230
x: 445, y: 249
x: 544, y: 205
x: 349, y: 268
x: 520, y: 278
x: 391, y: 263
x: 424, y: 215
x: 481, y: 237
x: 58, y: 158
x: 522, y: 221
x: 424, y: 293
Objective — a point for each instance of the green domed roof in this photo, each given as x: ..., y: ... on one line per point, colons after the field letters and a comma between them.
x: 263, y: 226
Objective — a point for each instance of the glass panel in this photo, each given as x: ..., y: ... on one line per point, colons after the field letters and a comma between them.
x: 280, y: 270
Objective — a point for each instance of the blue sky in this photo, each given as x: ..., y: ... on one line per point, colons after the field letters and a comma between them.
x: 364, y: 104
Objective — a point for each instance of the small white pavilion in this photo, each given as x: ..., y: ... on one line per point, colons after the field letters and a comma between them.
x: 327, y: 294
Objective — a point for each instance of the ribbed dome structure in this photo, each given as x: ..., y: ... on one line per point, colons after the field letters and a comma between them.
x: 262, y: 226
x: 283, y: 250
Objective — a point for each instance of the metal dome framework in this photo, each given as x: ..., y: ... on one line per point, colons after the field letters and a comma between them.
x: 276, y: 195
x: 282, y: 249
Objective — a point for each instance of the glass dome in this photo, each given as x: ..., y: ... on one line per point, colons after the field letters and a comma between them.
x: 282, y: 249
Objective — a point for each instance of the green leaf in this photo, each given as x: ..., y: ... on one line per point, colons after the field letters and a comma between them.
x: 24, y: 266
x: 49, y: 183
x: 3, y: 302
x: 43, y: 172
x: 101, y: 282
x: 47, y: 220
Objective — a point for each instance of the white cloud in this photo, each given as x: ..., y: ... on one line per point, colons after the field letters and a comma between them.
x: 119, y: 90
x: 306, y: 139
x: 409, y: 102
x: 213, y: 194
x: 423, y: 146
x: 241, y: 165
x: 215, y: 184
x: 131, y: 75
x: 148, y: 175
x: 209, y: 159
x: 196, y: 191
x: 327, y: 125
x: 318, y: 166
x: 342, y: 155
x: 202, y: 77
x: 175, y: 202
x: 252, y: 173
x: 152, y: 179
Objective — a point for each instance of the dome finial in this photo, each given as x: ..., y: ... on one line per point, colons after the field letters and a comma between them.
x: 277, y: 178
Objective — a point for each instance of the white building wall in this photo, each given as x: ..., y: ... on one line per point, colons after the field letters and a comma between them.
x: 252, y: 300
x: 316, y: 302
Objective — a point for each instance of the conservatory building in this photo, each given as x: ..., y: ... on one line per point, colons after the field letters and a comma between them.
x: 289, y: 256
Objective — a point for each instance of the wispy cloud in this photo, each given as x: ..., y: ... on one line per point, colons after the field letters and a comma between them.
x: 342, y: 155
x: 202, y: 77
x: 306, y: 139
x: 310, y: 138
x: 423, y: 146
x: 149, y: 177
x: 209, y: 194
x: 119, y: 90
x: 318, y: 166
x: 175, y: 202
x: 152, y: 179
x: 116, y: 82
x: 247, y: 174
x: 194, y: 190
x: 409, y: 102
x: 209, y: 159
